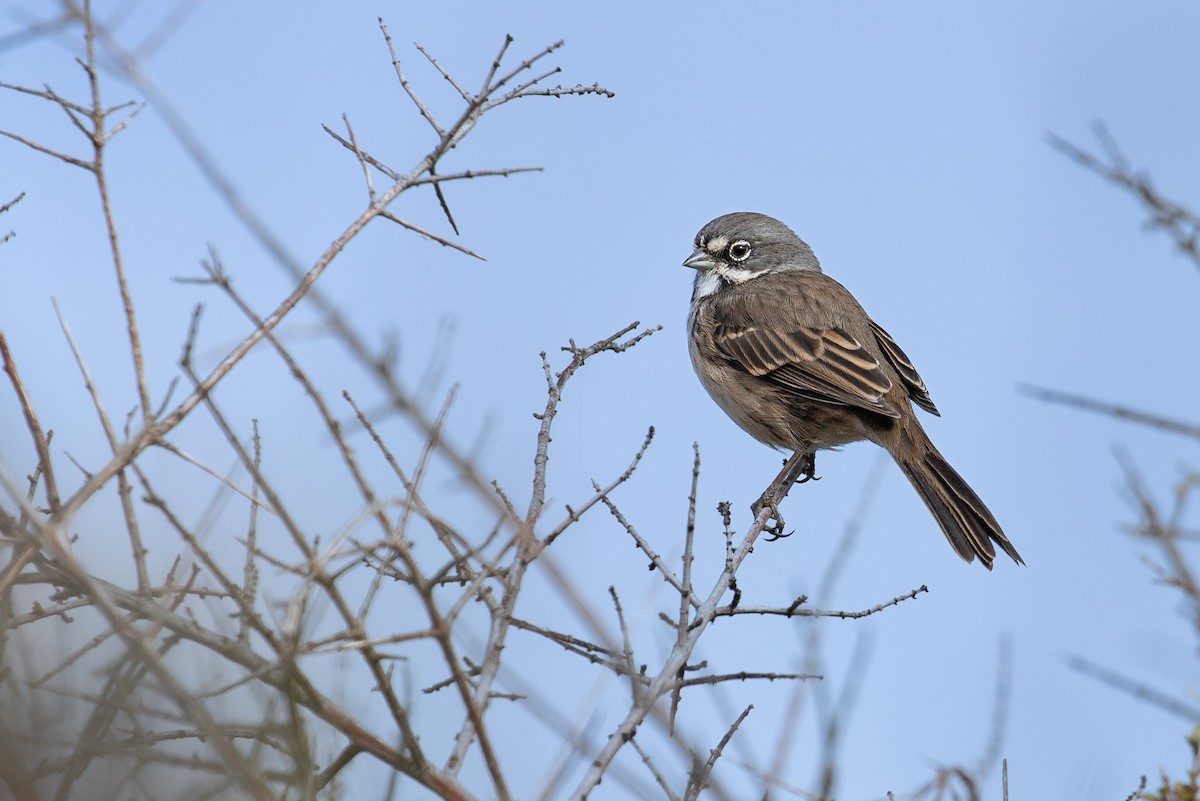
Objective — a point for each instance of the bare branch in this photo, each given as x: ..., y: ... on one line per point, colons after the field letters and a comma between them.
x: 363, y: 157
x: 687, y: 598
x: 1181, y: 224
x: 656, y: 561
x: 387, y: 215
x: 490, y: 88
x: 40, y: 440
x: 75, y: 162
x: 5, y: 207
x: 672, y: 667
x: 602, y: 493
x: 463, y: 93
x: 659, y: 778
x: 746, y: 675
x: 1000, y: 708
x: 627, y: 666
x: 793, y: 609
x: 219, y: 476
x: 387, y: 37
x: 487, y: 81
x: 700, y: 775
x: 470, y: 174
x: 135, y: 539
x: 1112, y: 410
x: 1137, y: 689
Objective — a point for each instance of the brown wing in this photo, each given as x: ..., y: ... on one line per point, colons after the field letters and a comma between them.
x: 826, y: 365
x: 904, y: 366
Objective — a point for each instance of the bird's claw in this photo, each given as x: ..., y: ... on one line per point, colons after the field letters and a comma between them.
x: 809, y: 470
x: 774, y: 529
x: 796, y: 470
x: 775, y: 532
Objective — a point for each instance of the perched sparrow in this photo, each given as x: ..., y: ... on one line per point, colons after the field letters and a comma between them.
x: 789, y: 354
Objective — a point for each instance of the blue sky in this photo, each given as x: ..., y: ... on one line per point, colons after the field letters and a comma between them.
x: 907, y: 143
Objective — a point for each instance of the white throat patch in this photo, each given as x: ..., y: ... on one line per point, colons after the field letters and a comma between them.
x: 709, y: 281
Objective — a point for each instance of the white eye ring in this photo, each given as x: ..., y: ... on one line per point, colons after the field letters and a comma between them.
x: 739, y: 250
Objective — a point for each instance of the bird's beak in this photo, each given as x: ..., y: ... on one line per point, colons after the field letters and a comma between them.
x: 700, y: 260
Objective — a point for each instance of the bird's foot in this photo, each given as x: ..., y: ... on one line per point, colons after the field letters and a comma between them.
x: 774, y: 528
x: 808, y: 469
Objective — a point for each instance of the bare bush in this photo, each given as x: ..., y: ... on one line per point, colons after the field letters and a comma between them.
x: 1161, y: 524
x: 154, y: 645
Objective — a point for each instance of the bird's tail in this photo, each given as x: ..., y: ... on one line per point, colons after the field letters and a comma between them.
x: 964, y: 518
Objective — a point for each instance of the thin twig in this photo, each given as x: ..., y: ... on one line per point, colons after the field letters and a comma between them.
x: 1181, y: 224
x: 463, y: 93
x: 792, y: 610
x: 687, y: 598
x: 1137, y: 689
x: 602, y: 493
x: 1112, y: 410
x: 387, y: 215
x: 123, y: 488
x: 656, y: 561
x: 659, y: 778
x: 412, y: 95
x: 212, y: 471
x: 701, y: 774
x: 40, y: 440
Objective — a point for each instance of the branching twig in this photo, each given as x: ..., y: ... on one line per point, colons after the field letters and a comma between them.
x: 40, y: 439
x: 700, y: 775
x: 5, y: 207
x: 671, y: 669
x: 602, y: 493
x: 1181, y: 224
x: 528, y: 546
x: 793, y: 610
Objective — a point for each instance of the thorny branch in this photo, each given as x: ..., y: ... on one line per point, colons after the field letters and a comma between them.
x: 1180, y: 223
x: 669, y: 677
x: 43, y: 549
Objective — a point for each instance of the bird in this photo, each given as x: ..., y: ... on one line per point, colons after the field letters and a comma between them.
x: 790, y: 355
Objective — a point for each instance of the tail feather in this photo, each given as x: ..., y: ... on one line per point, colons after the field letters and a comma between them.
x: 964, y: 518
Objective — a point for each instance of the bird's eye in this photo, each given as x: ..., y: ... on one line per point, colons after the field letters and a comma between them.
x: 739, y: 250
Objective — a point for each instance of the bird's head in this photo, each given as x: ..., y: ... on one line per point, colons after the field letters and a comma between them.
x: 739, y: 247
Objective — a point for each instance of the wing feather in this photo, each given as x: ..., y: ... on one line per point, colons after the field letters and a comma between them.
x: 826, y: 365
x: 904, y: 366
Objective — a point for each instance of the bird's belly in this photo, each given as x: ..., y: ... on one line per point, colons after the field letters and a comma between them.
x: 778, y: 418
